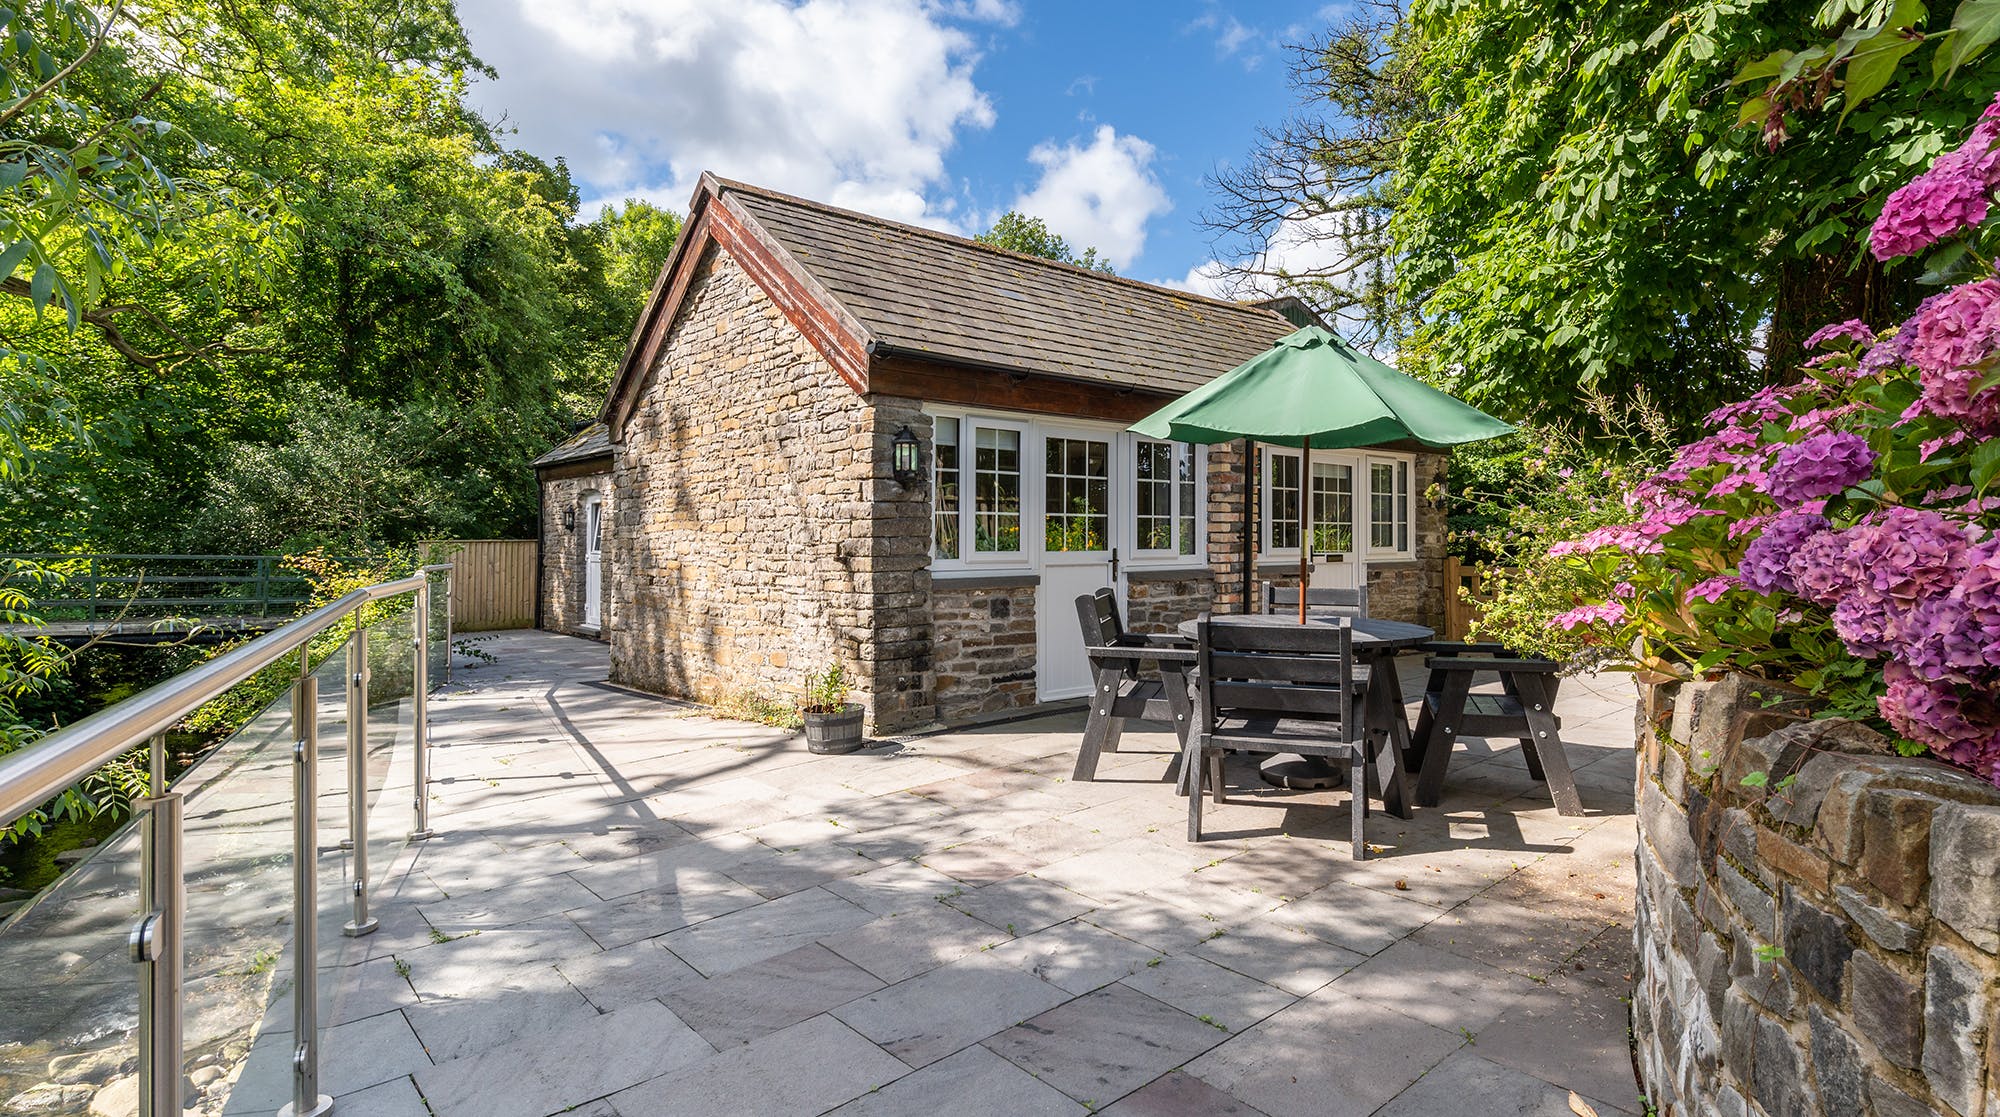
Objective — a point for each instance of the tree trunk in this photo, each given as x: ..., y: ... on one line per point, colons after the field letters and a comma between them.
x: 1822, y: 289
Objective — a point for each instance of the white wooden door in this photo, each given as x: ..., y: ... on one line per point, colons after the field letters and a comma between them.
x: 1076, y: 546
x: 593, y: 561
x: 1337, y: 563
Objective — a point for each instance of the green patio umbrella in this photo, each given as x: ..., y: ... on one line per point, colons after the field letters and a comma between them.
x: 1313, y: 390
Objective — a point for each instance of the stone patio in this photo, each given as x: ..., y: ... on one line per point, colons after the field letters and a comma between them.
x: 634, y: 910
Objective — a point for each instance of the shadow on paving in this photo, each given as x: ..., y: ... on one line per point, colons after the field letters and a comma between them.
x: 634, y: 909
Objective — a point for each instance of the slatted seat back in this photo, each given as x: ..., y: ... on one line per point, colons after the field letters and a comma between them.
x: 1097, y: 615
x: 1319, y: 599
x: 1259, y: 673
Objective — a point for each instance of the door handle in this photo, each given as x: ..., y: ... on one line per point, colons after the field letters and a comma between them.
x: 1114, y: 564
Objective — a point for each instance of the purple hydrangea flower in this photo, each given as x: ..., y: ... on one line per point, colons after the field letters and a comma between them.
x: 1953, y: 339
x: 1765, y: 564
x: 1893, y: 562
x: 1820, y: 466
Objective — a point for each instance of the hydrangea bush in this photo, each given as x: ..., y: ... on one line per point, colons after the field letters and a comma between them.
x: 1838, y: 533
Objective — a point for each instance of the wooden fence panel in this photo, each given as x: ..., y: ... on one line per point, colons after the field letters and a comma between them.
x: 492, y: 582
x: 1464, y: 593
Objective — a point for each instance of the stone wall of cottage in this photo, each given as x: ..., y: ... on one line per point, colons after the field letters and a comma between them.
x: 1156, y: 601
x: 1828, y: 942
x: 562, y: 552
x: 983, y: 635
x: 758, y: 535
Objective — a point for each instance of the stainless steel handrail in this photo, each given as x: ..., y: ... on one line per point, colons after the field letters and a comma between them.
x: 41, y: 771
x: 33, y: 775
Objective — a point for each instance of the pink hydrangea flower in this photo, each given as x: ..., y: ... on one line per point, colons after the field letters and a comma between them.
x: 1609, y: 612
x: 1854, y: 330
x: 1711, y: 589
x: 1945, y: 200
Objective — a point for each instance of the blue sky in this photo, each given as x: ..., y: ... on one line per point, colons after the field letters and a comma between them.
x: 1101, y: 118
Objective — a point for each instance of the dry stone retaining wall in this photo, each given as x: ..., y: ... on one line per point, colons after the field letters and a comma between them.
x: 1827, y: 944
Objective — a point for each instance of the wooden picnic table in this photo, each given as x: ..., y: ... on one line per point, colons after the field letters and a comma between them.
x: 1375, y: 643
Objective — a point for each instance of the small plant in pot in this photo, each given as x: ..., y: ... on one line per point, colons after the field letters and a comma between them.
x: 833, y: 724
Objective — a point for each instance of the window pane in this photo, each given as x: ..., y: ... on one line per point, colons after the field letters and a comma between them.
x: 1283, y: 508
x: 1184, y: 455
x: 1077, y: 515
x: 1382, y: 505
x: 1402, y: 506
x: 1154, y: 495
x: 996, y: 510
x: 1333, y: 507
x: 945, y: 505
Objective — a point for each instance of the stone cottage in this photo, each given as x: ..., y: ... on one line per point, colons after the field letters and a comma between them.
x: 754, y: 528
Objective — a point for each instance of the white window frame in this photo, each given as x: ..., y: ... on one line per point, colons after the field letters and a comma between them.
x: 1171, y: 555
x: 1402, y: 525
x: 1034, y: 482
x: 1364, y: 508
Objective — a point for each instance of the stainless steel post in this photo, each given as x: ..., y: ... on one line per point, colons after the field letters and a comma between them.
x: 156, y: 944
x: 450, y: 577
x: 357, y: 776
x: 420, y: 714
x: 306, y: 1101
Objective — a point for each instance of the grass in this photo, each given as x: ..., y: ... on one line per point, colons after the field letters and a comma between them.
x: 751, y: 705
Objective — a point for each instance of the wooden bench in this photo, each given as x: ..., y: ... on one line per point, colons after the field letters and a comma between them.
x: 1523, y: 710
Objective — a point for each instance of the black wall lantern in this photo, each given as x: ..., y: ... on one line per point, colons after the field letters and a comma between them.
x: 906, y: 458
x: 569, y: 519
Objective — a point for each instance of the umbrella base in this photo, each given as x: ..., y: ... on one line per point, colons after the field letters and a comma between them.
x: 1300, y: 773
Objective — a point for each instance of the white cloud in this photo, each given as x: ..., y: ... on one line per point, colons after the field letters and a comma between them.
x: 1302, y: 245
x: 1231, y: 36
x: 1100, y: 195
x: 854, y: 102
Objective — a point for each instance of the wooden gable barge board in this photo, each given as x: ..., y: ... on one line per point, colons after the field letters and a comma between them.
x: 657, y: 320
x: 841, y: 339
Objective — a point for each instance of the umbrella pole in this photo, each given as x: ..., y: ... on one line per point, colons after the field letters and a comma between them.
x: 1249, y: 520
x: 1305, y: 541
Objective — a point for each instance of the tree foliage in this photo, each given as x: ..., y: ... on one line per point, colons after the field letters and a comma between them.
x: 285, y: 242
x: 1017, y: 232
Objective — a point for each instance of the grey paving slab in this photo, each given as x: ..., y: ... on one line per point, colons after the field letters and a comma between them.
x: 1103, y: 1045
x: 982, y: 861
x: 1363, y: 920
x: 906, y: 944
x: 940, y: 1011
x: 1275, y: 954
x: 1165, y: 927
x: 645, y: 915
x: 458, y: 1022
x: 973, y: 1083
x: 1178, y: 1094
x: 353, y: 1057
x: 764, y: 997
x: 764, y: 930
x: 548, y: 1070
x: 397, y: 1097
x: 462, y: 963
x: 1466, y: 1085
x: 808, y: 1068
x: 893, y: 888
x: 1570, y: 1033
x: 347, y: 993
x: 793, y: 870
x: 1327, y: 1056
x: 1531, y: 941
x: 635, y: 972
x: 1021, y: 905
x: 1201, y: 988
x: 507, y: 905
x: 1444, y: 989
x: 1075, y: 957
x: 1122, y: 868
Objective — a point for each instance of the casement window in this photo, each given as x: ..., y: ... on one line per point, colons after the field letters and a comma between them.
x: 1389, y: 506
x: 945, y: 479
x: 996, y: 488
x: 1163, y: 498
x: 1332, y: 489
x: 1006, y: 491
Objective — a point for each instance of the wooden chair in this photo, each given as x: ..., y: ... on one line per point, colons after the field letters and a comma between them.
x: 1285, y: 599
x: 1119, y: 690
x: 1260, y: 688
x: 1523, y: 710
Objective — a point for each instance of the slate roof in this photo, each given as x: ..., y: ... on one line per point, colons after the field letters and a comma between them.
x: 593, y: 441
x: 927, y: 294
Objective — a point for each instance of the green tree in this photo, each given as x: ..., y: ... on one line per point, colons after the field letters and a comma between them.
x: 1017, y: 232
